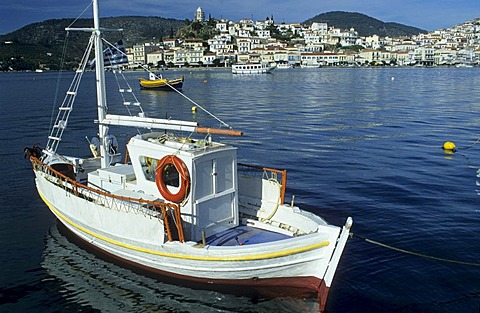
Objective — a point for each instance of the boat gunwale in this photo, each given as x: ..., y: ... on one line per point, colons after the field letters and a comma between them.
x: 37, y: 164
x: 218, y: 249
x: 252, y: 256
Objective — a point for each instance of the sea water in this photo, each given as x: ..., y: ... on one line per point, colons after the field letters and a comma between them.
x: 359, y: 142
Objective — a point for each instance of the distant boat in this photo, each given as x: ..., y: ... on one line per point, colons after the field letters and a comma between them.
x: 253, y: 68
x: 284, y: 65
x: 179, y: 206
x: 310, y: 65
x: 38, y: 71
x: 159, y: 83
x: 464, y: 65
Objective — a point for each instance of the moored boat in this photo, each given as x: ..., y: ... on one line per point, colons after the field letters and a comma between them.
x: 284, y: 65
x: 253, y: 68
x: 180, y: 205
x: 310, y: 65
x: 159, y: 83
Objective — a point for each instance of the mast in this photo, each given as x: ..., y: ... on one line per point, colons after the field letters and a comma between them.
x: 100, y: 82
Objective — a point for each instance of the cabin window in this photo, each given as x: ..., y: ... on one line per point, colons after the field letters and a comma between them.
x: 148, y: 167
x: 170, y: 174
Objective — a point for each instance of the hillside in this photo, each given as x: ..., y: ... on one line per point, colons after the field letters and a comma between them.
x: 42, y: 43
x: 364, y: 25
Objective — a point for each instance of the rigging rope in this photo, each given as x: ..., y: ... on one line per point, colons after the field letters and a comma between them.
x: 198, y: 105
x: 413, y: 253
x: 175, y: 89
x: 59, y: 77
x: 117, y: 71
x: 76, y: 19
x: 62, y: 64
x: 468, y: 147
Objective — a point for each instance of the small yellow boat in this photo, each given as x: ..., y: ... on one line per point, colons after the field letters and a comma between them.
x: 159, y: 83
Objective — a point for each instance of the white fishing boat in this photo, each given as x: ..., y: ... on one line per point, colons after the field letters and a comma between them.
x: 253, y: 68
x: 310, y: 65
x: 284, y: 65
x: 181, y: 207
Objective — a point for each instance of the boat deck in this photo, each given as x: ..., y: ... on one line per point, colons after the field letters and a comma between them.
x: 244, y: 235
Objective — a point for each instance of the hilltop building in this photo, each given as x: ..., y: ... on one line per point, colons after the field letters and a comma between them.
x: 199, y: 15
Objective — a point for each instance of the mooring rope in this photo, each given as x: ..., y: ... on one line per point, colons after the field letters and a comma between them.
x: 412, y: 252
x: 468, y: 147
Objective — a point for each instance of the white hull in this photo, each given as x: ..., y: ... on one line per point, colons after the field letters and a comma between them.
x: 254, y: 68
x: 310, y: 65
x: 143, y: 245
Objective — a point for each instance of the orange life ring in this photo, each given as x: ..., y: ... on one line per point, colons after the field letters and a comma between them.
x: 184, y: 178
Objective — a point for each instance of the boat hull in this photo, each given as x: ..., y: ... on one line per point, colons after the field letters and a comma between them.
x: 292, y: 267
x: 282, y: 287
x: 162, y: 84
x: 252, y: 68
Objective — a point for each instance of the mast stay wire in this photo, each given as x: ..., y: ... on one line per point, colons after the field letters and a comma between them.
x: 176, y: 90
x: 62, y: 64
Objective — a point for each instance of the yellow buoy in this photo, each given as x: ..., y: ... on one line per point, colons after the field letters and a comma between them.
x: 449, y: 146
x: 205, y: 81
x: 194, y: 109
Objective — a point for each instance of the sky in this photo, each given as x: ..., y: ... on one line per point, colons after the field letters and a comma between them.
x: 425, y: 14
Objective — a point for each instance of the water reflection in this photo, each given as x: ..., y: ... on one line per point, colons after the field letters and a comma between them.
x: 82, y: 279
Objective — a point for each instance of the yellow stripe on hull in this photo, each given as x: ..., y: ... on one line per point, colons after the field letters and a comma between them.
x: 251, y: 257
x: 160, y: 83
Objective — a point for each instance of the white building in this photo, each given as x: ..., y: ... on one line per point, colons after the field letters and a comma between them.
x: 200, y: 15
x: 320, y: 27
x: 154, y: 57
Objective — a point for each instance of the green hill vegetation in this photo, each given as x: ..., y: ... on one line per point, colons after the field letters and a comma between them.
x: 41, y: 44
x: 198, y: 30
x: 364, y: 25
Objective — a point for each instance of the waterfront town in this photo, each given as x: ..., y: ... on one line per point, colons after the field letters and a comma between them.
x: 313, y: 45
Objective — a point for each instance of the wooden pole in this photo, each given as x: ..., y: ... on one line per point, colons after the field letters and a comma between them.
x: 217, y: 131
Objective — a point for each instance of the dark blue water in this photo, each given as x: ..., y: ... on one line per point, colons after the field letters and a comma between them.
x: 364, y: 143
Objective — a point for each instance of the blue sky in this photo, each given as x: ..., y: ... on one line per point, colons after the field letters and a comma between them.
x: 425, y: 14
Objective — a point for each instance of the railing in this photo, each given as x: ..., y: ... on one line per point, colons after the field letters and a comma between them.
x: 156, y: 209
x: 271, y: 173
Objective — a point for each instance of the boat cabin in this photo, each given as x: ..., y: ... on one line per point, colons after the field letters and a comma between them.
x: 200, y: 175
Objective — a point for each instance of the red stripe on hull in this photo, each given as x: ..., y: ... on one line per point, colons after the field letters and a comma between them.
x: 293, y: 287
